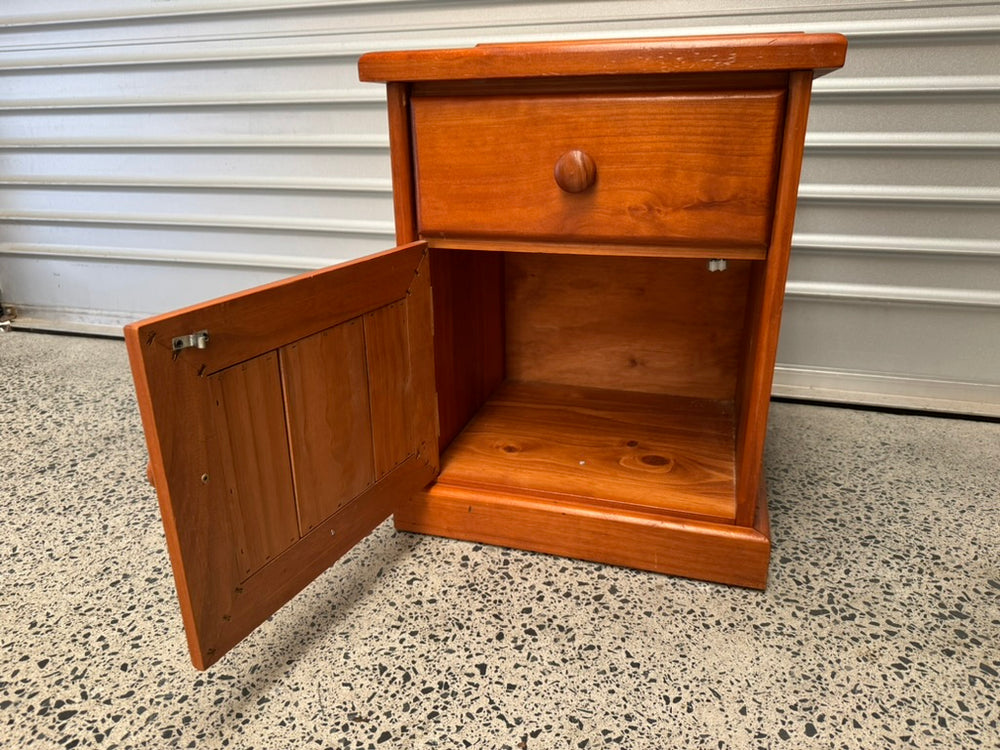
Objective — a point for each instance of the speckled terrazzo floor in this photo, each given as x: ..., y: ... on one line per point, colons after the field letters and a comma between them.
x: 880, y: 627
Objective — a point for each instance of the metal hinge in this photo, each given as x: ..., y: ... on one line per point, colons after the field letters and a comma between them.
x: 197, y: 340
x: 717, y: 264
x: 7, y: 314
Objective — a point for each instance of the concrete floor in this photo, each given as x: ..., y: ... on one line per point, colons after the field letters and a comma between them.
x: 880, y: 626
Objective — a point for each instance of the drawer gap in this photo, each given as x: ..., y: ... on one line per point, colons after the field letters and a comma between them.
x: 555, y: 247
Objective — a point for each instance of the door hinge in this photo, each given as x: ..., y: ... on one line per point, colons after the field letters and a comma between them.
x: 7, y: 314
x: 198, y: 340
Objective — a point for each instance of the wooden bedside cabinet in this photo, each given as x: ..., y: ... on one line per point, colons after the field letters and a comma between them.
x: 571, y: 351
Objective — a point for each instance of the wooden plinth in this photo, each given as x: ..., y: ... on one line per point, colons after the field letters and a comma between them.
x: 639, y: 480
x: 716, y: 552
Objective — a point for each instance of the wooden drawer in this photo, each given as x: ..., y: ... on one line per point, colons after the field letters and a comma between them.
x: 691, y: 169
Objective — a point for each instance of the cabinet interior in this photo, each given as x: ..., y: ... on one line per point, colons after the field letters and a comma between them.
x: 602, y: 380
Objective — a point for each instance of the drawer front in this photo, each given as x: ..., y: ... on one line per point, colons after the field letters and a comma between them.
x: 694, y: 169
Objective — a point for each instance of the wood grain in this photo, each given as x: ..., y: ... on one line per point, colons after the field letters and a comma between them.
x: 390, y: 385
x: 325, y: 380
x: 662, y: 175
x: 603, y: 447
x: 631, y: 83
x: 766, y: 301
x: 745, y: 52
x: 468, y: 333
x: 621, y: 249
x: 248, y: 605
x: 636, y: 324
x: 244, y: 324
x: 423, y: 403
x: 219, y: 603
x: 717, y: 552
x: 401, y: 162
x: 697, y: 144
x: 250, y: 419
x: 575, y: 171
x: 176, y: 406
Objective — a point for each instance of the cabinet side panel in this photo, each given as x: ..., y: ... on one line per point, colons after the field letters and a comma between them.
x: 254, y: 453
x: 329, y: 420
x: 765, y: 306
x: 468, y: 333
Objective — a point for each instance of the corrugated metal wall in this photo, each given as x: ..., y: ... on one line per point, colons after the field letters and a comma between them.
x: 155, y: 153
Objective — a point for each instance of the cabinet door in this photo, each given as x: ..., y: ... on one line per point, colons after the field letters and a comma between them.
x: 283, y: 425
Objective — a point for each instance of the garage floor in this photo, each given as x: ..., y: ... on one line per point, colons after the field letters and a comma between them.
x: 880, y: 626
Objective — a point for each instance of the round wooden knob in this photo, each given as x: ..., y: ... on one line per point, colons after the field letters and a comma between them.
x: 575, y: 171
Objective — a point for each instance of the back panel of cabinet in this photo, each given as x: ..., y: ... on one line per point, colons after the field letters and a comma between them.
x: 650, y: 325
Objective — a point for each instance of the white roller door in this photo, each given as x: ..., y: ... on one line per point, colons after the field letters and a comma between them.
x: 153, y: 154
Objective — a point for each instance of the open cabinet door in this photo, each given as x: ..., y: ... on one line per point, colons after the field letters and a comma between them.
x: 284, y: 424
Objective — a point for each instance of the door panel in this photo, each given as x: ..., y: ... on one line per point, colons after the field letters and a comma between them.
x: 271, y: 316
x: 329, y: 419
x: 250, y: 419
x: 391, y: 395
x: 289, y: 437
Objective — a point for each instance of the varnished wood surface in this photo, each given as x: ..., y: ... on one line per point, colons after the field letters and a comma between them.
x: 174, y: 404
x: 260, y: 502
x: 619, y: 84
x: 722, y: 553
x: 401, y: 162
x: 621, y: 249
x: 639, y: 324
x: 325, y: 378
x: 690, y: 168
x: 386, y: 338
x: 255, y: 320
x: 222, y: 471
x: 686, y: 166
x: 468, y: 333
x: 643, y: 451
x: 765, y: 306
x: 745, y: 52
x: 421, y: 399
x: 248, y: 605
x: 575, y: 171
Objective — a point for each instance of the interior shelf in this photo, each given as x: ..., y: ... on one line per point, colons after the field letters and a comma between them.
x: 649, y: 452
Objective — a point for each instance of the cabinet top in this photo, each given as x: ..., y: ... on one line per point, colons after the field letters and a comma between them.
x: 694, y: 54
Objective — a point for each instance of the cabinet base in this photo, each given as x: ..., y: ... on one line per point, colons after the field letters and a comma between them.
x: 717, y: 552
